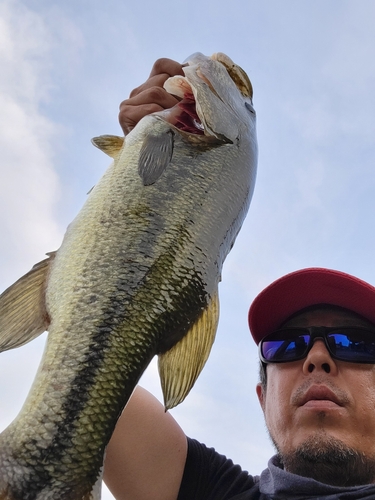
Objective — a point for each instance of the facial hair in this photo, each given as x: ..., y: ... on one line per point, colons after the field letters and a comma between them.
x: 330, y: 461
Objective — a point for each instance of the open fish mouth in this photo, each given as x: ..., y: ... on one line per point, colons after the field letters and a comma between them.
x: 183, y: 115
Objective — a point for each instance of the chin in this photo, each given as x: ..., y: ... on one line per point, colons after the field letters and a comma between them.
x: 329, y: 460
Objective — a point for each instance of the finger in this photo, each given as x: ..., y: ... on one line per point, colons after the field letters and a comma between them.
x: 154, y: 94
x: 129, y: 115
x: 150, y: 96
x: 153, y: 81
x: 161, y: 71
x: 149, y: 101
x: 167, y: 66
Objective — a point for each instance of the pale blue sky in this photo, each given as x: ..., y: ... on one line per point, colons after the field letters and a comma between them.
x: 66, y: 66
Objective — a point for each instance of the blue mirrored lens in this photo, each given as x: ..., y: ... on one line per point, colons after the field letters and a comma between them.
x: 352, y: 347
x: 285, y: 350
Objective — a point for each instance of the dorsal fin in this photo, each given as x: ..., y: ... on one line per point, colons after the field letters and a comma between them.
x: 23, y: 314
x: 111, y: 145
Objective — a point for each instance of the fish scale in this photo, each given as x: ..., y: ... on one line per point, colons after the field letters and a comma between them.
x: 136, y: 276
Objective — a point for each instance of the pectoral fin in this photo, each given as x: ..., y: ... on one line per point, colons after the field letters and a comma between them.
x: 180, y: 367
x: 109, y: 144
x: 23, y: 314
x: 155, y: 155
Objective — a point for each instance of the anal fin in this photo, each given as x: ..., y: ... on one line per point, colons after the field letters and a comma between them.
x: 23, y: 314
x: 180, y: 367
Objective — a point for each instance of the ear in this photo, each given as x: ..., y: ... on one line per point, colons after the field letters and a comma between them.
x: 261, y: 395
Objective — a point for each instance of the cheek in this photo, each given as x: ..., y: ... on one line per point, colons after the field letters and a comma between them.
x: 360, y: 424
x: 277, y: 407
x: 360, y: 383
x: 364, y: 403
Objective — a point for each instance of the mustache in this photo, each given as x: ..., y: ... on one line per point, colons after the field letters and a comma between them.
x: 299, y: 396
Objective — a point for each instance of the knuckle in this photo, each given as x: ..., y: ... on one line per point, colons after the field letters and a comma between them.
x: 125, y: 124
x: 124, y: 114
x: 160, y: 64
x: 134, y: 92
x: 156, y: 93
x: 123, y: 105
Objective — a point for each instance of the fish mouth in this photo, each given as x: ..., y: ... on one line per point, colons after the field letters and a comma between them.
x: 184, y: 114
x: 194, y: 117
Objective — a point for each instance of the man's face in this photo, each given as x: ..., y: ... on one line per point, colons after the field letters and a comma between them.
x: 319, y: 399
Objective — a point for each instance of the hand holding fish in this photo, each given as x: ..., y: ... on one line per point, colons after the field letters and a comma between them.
x: 149, y: 97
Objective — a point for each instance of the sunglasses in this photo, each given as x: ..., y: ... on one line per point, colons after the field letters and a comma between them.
x: 353, y: 344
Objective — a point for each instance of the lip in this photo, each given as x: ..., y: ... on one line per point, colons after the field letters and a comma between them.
x: 320, y: 396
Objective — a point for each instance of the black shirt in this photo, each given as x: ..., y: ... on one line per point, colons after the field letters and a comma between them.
x: 211, y: 476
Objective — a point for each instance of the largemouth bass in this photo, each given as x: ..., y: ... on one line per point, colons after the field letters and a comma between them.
x: 136, y: 276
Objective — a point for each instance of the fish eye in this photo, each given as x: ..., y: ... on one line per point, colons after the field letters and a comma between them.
x: 237, y: 74
x: 250, y: 108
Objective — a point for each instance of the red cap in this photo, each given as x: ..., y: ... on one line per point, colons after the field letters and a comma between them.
x: 307, y: 287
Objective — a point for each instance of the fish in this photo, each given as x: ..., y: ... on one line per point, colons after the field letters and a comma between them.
x: 136, y: 276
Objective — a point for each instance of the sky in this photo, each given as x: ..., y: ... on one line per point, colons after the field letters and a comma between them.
x: 65, y: 68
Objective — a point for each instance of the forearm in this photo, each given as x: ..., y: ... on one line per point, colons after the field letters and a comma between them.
x: 146, y: 456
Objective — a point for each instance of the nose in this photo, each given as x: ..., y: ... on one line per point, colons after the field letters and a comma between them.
x: 319, y: 359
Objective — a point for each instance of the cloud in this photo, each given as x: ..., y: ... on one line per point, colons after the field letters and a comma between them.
x: 29, y: 185
x: 64, y: 70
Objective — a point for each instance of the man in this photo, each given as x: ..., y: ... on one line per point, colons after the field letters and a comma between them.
x: 317, y: 389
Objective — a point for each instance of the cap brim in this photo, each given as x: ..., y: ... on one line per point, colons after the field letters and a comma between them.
x: 304, y: 288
